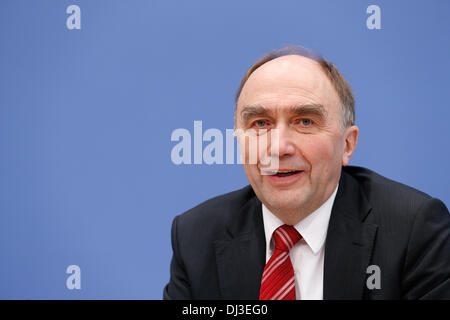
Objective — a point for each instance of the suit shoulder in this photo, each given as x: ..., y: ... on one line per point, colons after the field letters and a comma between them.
x: 386, y: 193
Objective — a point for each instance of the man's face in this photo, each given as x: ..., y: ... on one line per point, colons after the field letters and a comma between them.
x: 293, y: 95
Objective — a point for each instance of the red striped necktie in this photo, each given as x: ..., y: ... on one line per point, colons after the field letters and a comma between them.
x: 278, y: 282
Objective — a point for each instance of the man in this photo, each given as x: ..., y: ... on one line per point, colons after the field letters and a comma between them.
x: 313, y: 227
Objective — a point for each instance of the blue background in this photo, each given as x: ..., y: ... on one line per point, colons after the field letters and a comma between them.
x: 86, y: 118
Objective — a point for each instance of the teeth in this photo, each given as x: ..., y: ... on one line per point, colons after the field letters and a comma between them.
x: 281, y: 172
x: 286, y: 173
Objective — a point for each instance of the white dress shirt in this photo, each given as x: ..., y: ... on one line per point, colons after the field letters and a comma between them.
x: 307, y: 255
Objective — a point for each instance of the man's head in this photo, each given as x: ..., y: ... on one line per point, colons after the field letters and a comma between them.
x: 311, y: 106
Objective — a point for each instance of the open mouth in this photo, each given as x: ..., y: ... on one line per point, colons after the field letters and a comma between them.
x: 283, y: 173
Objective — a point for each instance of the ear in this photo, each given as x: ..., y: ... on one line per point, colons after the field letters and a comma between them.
x: 351, y: 139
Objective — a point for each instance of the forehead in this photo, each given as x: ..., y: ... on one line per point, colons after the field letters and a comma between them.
x: 286, y: 81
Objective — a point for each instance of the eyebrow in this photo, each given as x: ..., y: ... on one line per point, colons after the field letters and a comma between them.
x: 249, y: 112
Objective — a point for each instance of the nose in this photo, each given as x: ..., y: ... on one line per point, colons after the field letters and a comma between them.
x: 284, y: 137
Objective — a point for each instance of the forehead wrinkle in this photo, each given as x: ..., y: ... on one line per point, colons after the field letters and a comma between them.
x: 290, y: 76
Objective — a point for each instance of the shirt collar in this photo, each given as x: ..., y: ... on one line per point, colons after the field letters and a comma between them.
x: 313, y: 228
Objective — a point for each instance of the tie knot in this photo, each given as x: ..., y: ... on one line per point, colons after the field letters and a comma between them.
x: 286, y: 237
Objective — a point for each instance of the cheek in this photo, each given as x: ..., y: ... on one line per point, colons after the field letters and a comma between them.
x: 254, y: 149
x: 320, y: 153
x: 252, y: 173
x: 248, y: 149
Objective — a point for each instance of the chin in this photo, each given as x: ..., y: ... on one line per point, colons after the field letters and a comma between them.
x: 285, y: 200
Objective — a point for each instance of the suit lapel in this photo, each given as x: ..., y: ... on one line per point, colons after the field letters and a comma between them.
x: 241, y: 254
x: 349, y: 243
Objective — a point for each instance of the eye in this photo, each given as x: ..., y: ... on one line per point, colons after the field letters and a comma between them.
x: 306, y: 122
x: 260, y: 123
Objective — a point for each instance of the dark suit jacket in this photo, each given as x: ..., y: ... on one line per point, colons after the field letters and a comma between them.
x: 219, y: 246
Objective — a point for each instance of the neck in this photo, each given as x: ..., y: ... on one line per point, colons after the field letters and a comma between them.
x: 290, y: 216
x: 293, y: 215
